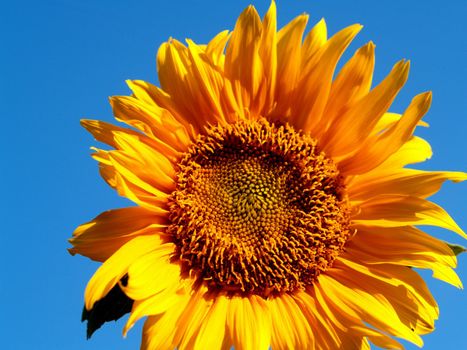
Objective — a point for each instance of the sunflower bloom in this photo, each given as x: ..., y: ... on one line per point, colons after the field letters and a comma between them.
x: 275, y: 207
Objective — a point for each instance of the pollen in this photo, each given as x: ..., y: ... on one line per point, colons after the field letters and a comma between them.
x: 257, y: 209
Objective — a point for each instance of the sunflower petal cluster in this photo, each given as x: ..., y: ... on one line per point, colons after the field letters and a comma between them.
x: 276, y: 203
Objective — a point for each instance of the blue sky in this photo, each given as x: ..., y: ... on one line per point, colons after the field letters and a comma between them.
x: 60, y: 60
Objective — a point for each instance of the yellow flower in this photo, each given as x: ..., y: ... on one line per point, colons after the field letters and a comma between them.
x: 274, y: 205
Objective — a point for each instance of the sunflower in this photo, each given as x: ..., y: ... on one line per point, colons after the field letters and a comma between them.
x: 274, y: 205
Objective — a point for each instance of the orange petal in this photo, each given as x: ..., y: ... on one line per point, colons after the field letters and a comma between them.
x: 105, y: 132
x: 289, y: 43
x: 376, y: 149
x: 357, y: 123
x: 153, y: 95
x: 314, y: 85
x: 351, y: 84
x: 144, y: 161
x: 268, y: 55
x: 243, y: 66
x: 209, y: 80
x: 178, y: 79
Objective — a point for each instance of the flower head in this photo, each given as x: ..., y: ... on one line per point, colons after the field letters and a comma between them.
x: 274, y: 205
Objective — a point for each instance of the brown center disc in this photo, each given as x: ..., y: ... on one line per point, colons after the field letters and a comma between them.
x: 258, y: 209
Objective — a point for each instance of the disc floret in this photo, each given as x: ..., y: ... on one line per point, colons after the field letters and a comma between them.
x: 258, y: 208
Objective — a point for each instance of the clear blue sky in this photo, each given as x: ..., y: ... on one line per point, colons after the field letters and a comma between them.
x: 59, y: 62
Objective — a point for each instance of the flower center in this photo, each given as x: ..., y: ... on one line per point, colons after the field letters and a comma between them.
x: 257, y: 209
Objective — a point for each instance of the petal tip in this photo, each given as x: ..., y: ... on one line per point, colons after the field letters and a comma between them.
x: 357, y: 27
x: 429, y: 95
x: 249, y: 11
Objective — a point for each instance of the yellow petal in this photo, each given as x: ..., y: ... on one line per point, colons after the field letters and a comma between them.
x: 415, y: 150
x: 105, y: 234
x: 124, y: 165
x: 164, y: 124
x: 404, y: 289
x: 441, y: 272
x: 126, y: 187
x: 344, y: 337
x: 397, y: 211
x: 314, y: 40
x: 104, y: 132
x: 159, y: 331
x: 106, y: 168
x: 215, y: 48
x: 155, y: 305
x: 152, y: 273
x: 408, y: 182
x: 107, y: 276
x: 192, y: 318
x: 212, y: 331
x: 146, y: 162
x: 172, y: 60
x: 446, y: 274
x: 404, y: 246
x: 352, y: 329
x: 387, y: 243
x: 389, y: 119
x: 107, y: 133
x: 325, y: 335
x: 378, y: 338
x: 290, y: 328
x: 248, y: 323
x: 372, y: 309
x: 131, y: 186
x: 354, y: 79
